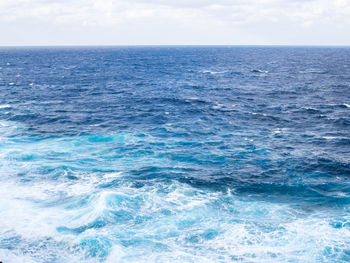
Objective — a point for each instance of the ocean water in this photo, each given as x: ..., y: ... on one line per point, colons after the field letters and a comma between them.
x: 175, y: 154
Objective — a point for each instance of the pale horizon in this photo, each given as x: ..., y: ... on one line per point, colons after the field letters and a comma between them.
x: 164, y: 22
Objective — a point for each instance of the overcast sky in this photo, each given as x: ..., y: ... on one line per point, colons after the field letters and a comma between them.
x: 174, y: 22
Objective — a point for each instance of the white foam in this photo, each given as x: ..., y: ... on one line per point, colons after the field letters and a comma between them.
x: 255, y: 113
x: 4, y: 106
x: 214, y: 72
x: 330, y: 137
x: 249, y: 230
x: 166, y: 221
x: 262, y: 71
x: 280, y: 130
x: 15, y: 257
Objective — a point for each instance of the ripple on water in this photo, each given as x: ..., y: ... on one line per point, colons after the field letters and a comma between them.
x: 192, y: 154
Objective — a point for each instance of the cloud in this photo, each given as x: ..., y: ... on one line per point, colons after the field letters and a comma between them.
x: 218, y: 17
x: 115, y: 11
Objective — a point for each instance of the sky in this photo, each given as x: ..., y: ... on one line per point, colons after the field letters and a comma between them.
x: 174, y: 22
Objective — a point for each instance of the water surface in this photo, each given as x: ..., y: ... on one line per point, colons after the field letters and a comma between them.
x: 175, y: 154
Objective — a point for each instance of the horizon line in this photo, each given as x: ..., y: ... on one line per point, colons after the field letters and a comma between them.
x: 174, y: 45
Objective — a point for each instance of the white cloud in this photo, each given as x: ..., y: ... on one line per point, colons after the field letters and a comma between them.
x: 186, y: 21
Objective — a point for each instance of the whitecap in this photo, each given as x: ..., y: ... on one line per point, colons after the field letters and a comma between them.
x: 15, y: 257
x: 277, y: 131
x: 163, y: 221
x: 260, y: 71
x: 329, y: 137
x: 4, y: 106
x: 213, y: 72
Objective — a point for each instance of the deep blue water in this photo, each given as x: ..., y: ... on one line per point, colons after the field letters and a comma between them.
x: 175, y: 154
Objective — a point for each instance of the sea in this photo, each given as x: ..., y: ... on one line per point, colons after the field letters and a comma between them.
x: 174, y: 154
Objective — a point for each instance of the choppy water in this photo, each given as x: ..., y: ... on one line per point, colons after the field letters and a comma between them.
x: 168, y: 154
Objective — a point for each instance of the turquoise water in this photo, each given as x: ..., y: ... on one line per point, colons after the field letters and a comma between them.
x: 197, y: 154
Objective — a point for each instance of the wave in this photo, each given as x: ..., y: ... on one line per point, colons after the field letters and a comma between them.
x: 92, y: 197
x: 5, y: 106
x: 160, y: 222
x: 259, y: 71
x: 214, y: 72
x: 174, y: 155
